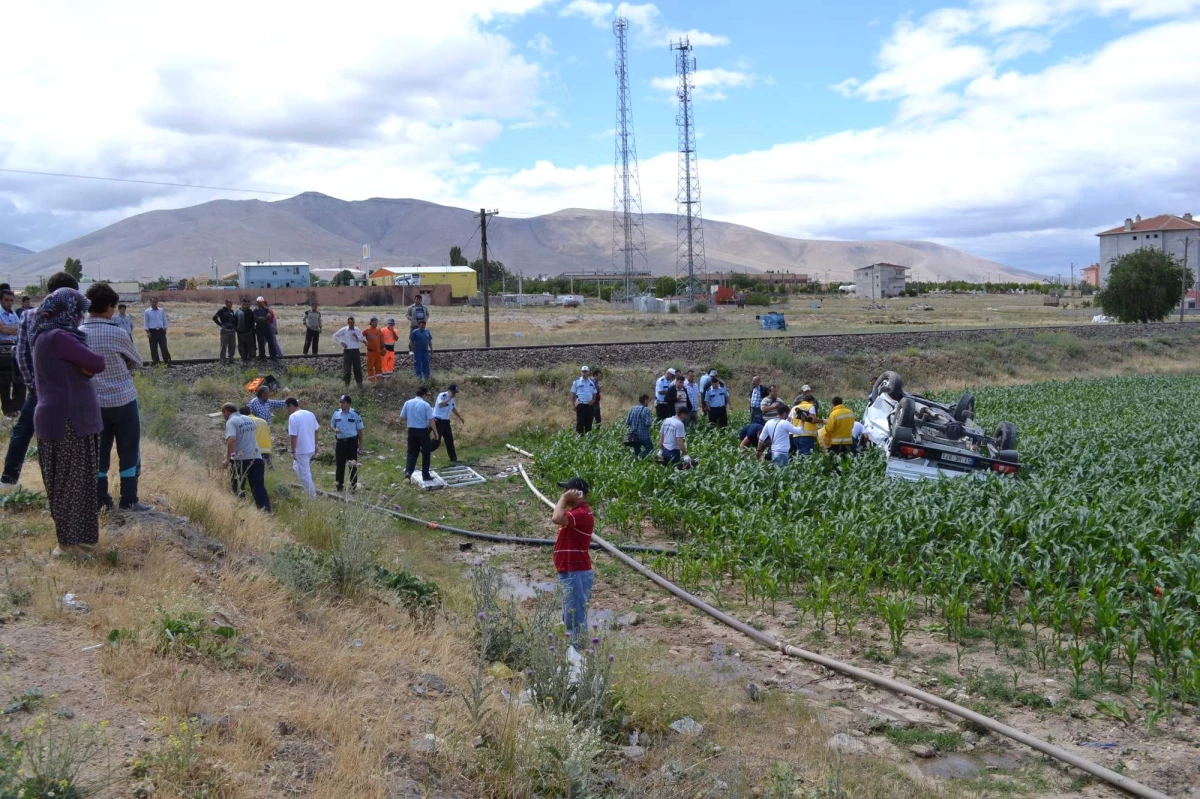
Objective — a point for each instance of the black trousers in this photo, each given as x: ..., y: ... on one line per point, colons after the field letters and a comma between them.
x: 242, y: 472
x: 245, y: 343
x: 12, y: 387
x: 351, y: 362
x: 719, y: 416
x: 662, y: 411
x: 596, y: 413
x: 262, y: 336
x: 418, y: 444
x: 123, y: 426
x: 447, y: 435
x: 345, y: 450
x: 311, y: 338
x: 584, y: 416
x: 158, y: 342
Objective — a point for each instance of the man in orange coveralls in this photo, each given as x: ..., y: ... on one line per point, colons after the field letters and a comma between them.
x: 390, y: 337
x: 374, y: 338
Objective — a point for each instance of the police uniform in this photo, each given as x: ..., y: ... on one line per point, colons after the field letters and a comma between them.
x: 346, y: 426
x: 584, y: 389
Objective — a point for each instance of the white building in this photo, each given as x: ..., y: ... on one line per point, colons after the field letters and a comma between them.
x: 880, y: 281
x: 1166, y: 232
x: 273, y: 275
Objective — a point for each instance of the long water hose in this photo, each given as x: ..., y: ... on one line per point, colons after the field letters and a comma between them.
x: 1113, y: 778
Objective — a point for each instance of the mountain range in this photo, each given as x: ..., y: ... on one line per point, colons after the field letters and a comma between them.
x: 325, y: 232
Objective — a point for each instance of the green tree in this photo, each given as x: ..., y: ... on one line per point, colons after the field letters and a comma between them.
x: 664, y: 287
x: 497, y: 274
x: 74, y: 268
x: 343, y: 278
x: 1145, y: 285
x: 457, y: 259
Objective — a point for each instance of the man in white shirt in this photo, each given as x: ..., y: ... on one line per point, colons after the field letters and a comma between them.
x: 661, y: 409
x: 154, y: 322
x: 418, y: 416
x: 302, y: 430
x: 123, y: 319
x: 672, y: 435
x: 777, y: 434
x: 583, y: 397
x: 446, y: 404
x: 351, y: 339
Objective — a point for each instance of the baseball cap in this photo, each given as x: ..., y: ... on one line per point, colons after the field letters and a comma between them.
x: 452, y: 387
x: 260, y: 299
x: 806, y: 387
x: 575, y: 483
x: 713, y: 373
x: 391, y: 321
x: 374, y: 318
x: 344, y: 398
x: 671, y: 371
x: 584, y: 369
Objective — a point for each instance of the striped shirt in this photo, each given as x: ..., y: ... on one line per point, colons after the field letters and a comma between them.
x: 24, y: 348
x: 265, y: 409
x: 639, y: 421
x: 114, y: 386
x: 693, y: 392
x: 756, y: 397
x: 571, y: 549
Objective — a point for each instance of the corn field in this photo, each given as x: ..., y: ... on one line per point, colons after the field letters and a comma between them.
x: 1089, y: 561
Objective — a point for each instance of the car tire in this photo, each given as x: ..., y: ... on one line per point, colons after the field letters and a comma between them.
x: 905, y: 415
x: 890, y: 383
x: 1005, y: 437
x: 964, y: 409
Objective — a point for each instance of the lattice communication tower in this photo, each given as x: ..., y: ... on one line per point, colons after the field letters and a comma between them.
x: 690, y: 263
x: 629, y: 233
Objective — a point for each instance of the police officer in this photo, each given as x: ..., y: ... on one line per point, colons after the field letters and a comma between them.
x: 583, y: 397
x: 347, y: 427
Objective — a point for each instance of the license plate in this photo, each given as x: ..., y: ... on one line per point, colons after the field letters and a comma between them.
x: 963, y: 459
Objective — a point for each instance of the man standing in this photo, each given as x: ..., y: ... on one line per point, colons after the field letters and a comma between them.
x: 262, y: 435
x: 420, y: 344
x: 242, y: 457
x: 302, y: 430
x: 262, y: 328
x: 716, y: 400
x: 583, y: 394
x: 572, y: 558
x: 273, y: 335
x: 446, y: 404
x: 776, y: 434
x: 351, y: 339
x: 756, y: 397
x: 639, y: 421
x: 154, y: 322
x: 677, y: 398
x: 123, y: 319
x: 263, y: 406
x: 839, y: 428
x: 22, y: 432
x: 312, y: 329
x: 12, y: 387
x: 417, y: 312
x: 119, y: 414
x: 27, y: 305
x: 347, y: 427
x: 245, y: 331
x: 672, y: 435
x: 374, y: 349
x: 804, y: 416
x: 226, y: 320
x: 693, y: 393
x: 390, y: 336
x: 770, y: 400
x: 661, y: 409
x: 418, y: 416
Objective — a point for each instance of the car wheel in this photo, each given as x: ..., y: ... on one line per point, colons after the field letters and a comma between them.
x: 905, y: 415
x: 964, y: 409
x: 889, y: 383
x: 1005, y: 437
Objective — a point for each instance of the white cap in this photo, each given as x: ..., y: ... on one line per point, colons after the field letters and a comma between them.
x: 671, y: 371
x: 260, y: 299
x: 584, y: 369
x: 713, y: 373
x: 806, y: 387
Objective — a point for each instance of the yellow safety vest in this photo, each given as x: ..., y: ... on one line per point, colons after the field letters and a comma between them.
x: 840, y: 426
x: 810, y: 428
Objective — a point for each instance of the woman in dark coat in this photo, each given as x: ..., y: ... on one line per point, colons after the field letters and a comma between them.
x: 66, y: 419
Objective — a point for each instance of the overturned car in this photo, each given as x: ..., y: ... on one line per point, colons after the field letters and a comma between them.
x: 925, y: 439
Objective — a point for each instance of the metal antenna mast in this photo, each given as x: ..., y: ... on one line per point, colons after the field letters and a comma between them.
x: 629, y: 233
x: 690, y: 231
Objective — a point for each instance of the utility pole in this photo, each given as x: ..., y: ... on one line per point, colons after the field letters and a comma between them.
x: 487, y: 313
x: 1072, y: 286
x: 1183, y: 297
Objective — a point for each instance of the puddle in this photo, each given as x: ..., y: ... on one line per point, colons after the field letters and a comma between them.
x: 520, y: 589
x: 958, y: 766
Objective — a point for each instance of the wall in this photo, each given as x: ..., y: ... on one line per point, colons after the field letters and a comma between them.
x: 346, y: 296
x: 1172, y: 241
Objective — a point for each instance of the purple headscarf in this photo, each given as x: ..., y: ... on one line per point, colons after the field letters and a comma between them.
x: 62, y: 310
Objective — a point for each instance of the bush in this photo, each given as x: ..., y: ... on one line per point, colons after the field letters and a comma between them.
x: 700, y: 307
x: 1144, y: 286
x: 298, y: 567
x: 758, y: 298
x: 421, y: 597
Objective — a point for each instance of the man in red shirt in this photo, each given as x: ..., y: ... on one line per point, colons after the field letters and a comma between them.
x: 572, y: 558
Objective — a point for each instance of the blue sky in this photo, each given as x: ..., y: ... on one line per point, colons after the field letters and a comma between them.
x: 1014, y: 129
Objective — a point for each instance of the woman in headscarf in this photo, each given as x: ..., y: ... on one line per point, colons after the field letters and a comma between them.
x: 66, y: 419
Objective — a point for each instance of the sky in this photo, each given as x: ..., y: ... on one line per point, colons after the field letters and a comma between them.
x: 1013, y: 129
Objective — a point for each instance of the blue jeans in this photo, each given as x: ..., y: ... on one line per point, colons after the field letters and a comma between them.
x: 421, y: 364
x: 576, y: 588
x: 779, y: 458
x: 805, y: 444
x: 22, y: 434
x: 672, y: 456
x: 642, y: 448
x: 122, y: 425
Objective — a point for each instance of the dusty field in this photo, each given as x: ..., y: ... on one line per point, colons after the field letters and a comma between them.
x: 193, y: 334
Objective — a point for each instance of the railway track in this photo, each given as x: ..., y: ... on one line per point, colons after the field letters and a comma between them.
x: 627, y: 352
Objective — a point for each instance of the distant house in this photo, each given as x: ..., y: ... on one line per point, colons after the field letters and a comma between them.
x: 1091, y: 275
x: 273, y: 275
x: 1165, y: 232
x: 880, y: 281
x: 462, y: 280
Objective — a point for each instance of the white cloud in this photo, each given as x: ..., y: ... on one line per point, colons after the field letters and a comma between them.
x: 709, y: 83
x: 646, y: 20
x: 600, y: 14
x: 541, y: 44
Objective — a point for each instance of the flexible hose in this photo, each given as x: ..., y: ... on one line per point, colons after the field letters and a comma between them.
x: 1113, y: 778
